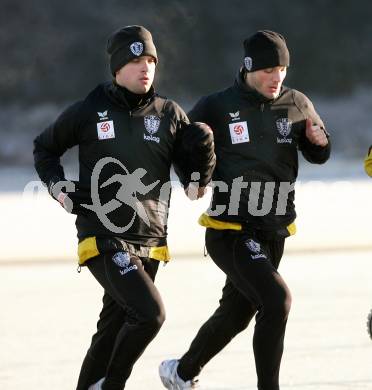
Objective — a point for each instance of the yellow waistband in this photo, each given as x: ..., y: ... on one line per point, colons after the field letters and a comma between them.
x: 210, y: 222
x: 368, y: 163
x: 160, y: 253
x: 88, y: 249
x: 292, y: 229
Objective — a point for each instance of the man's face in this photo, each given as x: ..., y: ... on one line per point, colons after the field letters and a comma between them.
x: 267, y: 81
x: 137, y: 75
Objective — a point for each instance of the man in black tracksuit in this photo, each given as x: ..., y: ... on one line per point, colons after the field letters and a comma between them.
x: 259, y: 125
x: 128, y: 137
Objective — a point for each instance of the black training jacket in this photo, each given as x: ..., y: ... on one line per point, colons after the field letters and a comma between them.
x: 114, y: 142
x: 257, y: 141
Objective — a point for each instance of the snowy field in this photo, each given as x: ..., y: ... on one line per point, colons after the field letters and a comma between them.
x: 49, y: 311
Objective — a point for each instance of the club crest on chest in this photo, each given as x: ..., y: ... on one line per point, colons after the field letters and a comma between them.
x: 284, y: 127
x: 152, y: 123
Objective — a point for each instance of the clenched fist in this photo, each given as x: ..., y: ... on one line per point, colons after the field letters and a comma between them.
x: 194, y: 192
x: 315, y: 134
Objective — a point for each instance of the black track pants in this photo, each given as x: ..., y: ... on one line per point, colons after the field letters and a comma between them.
x: 131, y: 316
x: 253, y: 286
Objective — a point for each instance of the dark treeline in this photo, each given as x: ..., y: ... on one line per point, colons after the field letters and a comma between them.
x: 54, y: 51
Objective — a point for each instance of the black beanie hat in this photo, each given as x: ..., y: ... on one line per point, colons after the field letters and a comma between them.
x: 265, y: 49
x: 128, y: 43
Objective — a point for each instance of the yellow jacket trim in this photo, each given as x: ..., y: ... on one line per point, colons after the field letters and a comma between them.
x: 209, y: 222
x: 87, y: 249
x: 368, y: 163
x: 160, y: 253
x: 292, y: 229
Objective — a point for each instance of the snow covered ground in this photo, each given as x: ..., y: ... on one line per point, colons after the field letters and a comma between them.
x: 50, y: 314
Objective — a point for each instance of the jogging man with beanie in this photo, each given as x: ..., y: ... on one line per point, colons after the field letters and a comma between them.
x: 259, y: 125
x: 128, y: 137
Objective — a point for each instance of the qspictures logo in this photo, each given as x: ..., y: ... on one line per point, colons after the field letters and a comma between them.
x: 130, y: 185
x: 260, y: 195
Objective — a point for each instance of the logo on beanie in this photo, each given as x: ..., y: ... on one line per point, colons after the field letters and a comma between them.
x: 248, y: 63
x: 284, y: 126
x: 136, y: 48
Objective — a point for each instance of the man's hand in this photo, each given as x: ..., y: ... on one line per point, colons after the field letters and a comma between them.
x: 68, y: 194
x: 315, y: 134
x: 59, y: 189
x: 194, y: 192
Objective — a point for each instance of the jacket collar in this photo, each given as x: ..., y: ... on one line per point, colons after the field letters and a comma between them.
x: 126, y: 99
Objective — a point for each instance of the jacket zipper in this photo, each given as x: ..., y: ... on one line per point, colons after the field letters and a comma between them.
x: 261, y: 131
x: 130, y: 121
